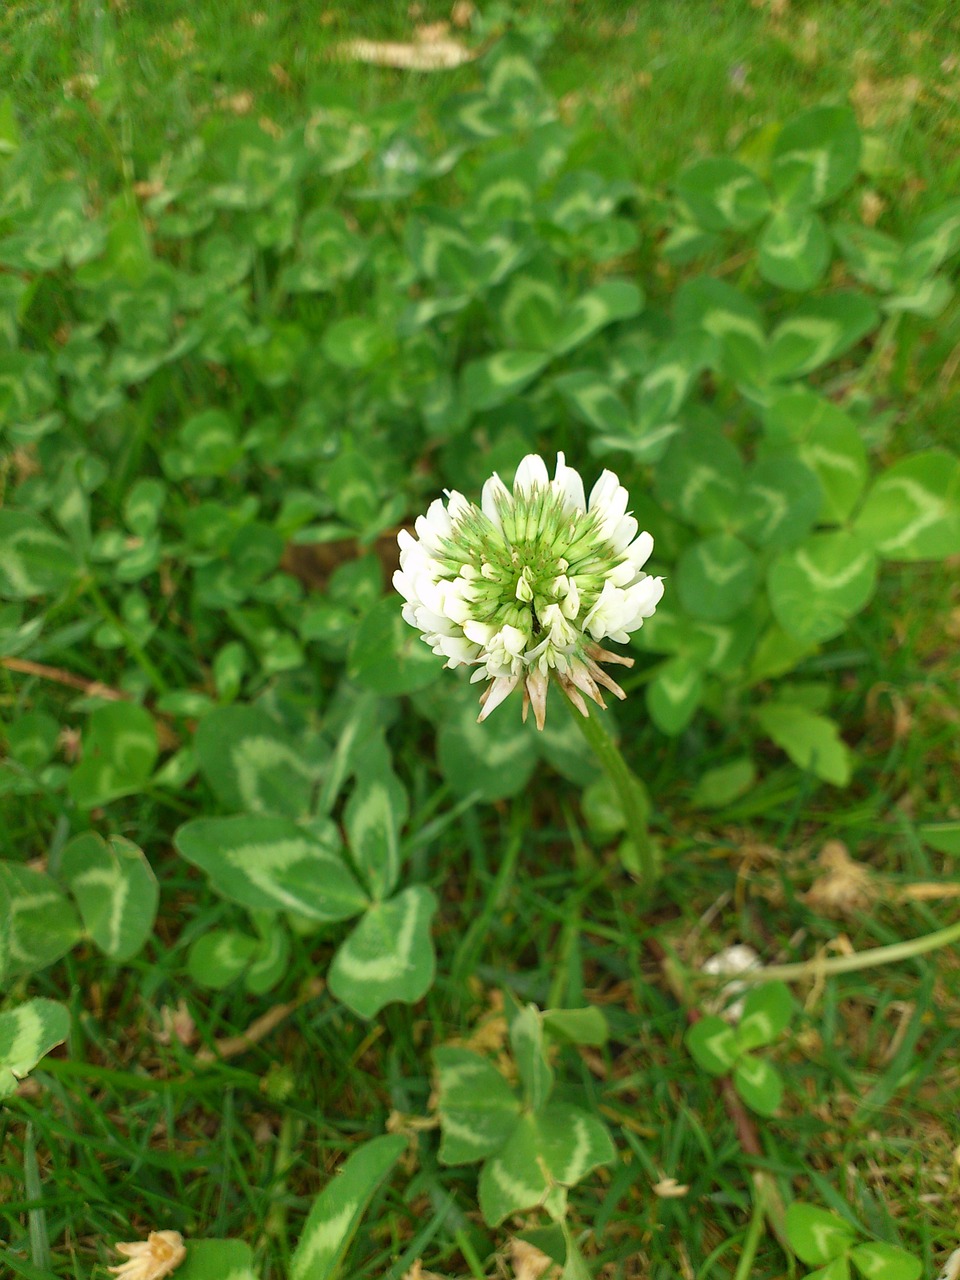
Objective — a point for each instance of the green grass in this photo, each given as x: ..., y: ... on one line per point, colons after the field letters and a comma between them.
x: 132, y: 1135
x: 664, y: 80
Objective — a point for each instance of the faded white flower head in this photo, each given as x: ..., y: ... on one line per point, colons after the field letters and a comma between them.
x: 150, y: 1259
x: 526, y: 585
x: 729, y: 963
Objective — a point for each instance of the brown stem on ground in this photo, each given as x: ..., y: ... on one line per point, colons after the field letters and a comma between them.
x: 230, y: 1046
x: 92, y: 688
x: 745, y: 1129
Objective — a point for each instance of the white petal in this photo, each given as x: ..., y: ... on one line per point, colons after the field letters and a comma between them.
x: 433, y: 526
x: 438, y: 519
x: 570, y: 483
x: 531, y: 471
x: 416, y: 563
x: 494, y: 491
x: 641, y: 550
x: 514, y: 640
x: 457, y: 505
x: 623, y: 574
x: 571, y: 603
x: 403, y: 584
x: 408, y: 544
x: 457, y: 650
x: 559, y: 629
x: 501, y: 688
x: 609, y: 499
x: 608, y: 613
x: 434, y: 623
x: 603, y: 490
x: 457, y: 609
x: 430, y: 593
x: 645, y: 602
x: 624, y: 533
x: 479, y: 632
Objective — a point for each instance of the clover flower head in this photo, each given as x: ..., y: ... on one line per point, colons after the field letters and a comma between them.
x: 525, y: 586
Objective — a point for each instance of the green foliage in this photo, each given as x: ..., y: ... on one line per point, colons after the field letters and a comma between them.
x: 42, y: 923
x: 218, y: 1260
x: 104, y: 890
x: 26, y: 1034
x: 827, y: 1242
x: 221, y: 957
x: 119, y: 752
x: 718, y: 787
x: 222, y: 392
x: 722, y: 1049
x: 532, y: 1149
x: 336, y: 1214
x: 284, y: 861
x: 503, y: 288
x: 115, y: 891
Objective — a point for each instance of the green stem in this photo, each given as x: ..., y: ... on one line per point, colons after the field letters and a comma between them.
x: 751, y: 1241
x: 465, y: 957
x: 275, y: 1224
x: 469, y: 1253
x: 627, y: 786
x: 133, y: 646
x: 858, y: 960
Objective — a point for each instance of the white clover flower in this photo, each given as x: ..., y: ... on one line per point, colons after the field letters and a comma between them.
x: 527, y: 584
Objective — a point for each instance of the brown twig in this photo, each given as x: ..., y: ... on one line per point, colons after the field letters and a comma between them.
x: 166, y: 737
x: 260, y: 1027
x: 92, y: 688
x: 746, y: 1131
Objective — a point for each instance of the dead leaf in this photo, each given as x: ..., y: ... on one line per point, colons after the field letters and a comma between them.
x: 872, y: 206
x: 150, y: 1259
x: 845, y: 887
x: 81, y: 85
x: 438, y: 55
x: 24, y: 462
x: 529, y: 1262
x: 461, y: 15
x: 488, y: 1036
x: 431, y: 32
x: 176, y: 1024
x: 670, y: 1189
x: 417, y: 1272
x: 280, y: 75
x: 884, y: 102
x: 241, y: 104
x: 951, y: 1268
x: 409, y: 1126
x: 929, y: 891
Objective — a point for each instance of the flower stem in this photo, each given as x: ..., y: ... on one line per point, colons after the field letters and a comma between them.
x: 629, y: 791
x: 857, y: 960
x: 751, y: 1240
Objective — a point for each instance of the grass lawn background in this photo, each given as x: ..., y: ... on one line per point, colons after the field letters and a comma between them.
x: 127, y: 1135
